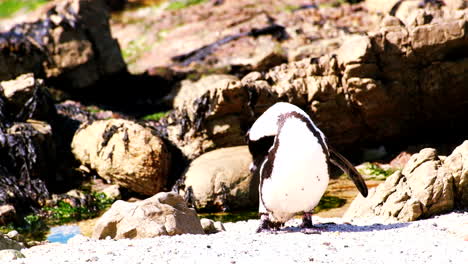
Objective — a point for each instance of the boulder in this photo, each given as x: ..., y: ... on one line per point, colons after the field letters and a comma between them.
x: 161, y: 214
x: 125, y: 153
x: 425, y: 187
x: 220, y: 179
x: 70, y: 42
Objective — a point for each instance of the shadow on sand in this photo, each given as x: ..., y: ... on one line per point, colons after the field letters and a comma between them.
x: 333, y: 227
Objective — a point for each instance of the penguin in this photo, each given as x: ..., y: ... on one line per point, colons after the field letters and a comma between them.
x: 293, y: 160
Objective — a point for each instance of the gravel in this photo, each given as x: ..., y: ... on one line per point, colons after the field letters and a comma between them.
x: 437, y: 240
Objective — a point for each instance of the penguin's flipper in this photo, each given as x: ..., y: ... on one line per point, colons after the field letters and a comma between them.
x: 346, y: 166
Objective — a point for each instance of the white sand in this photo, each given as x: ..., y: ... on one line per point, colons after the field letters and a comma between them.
x: 436, y: 240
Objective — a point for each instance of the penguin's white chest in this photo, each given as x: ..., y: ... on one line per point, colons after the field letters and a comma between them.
x: 299, y: 175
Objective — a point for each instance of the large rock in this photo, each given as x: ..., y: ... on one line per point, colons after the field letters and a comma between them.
x: 71, y: 42
x: 162, y: 214
x: 221, y: 179
x: 425, y: 187
x: 125, y: 153
x: 209, y: 114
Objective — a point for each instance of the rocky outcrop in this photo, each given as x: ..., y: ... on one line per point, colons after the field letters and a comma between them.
x: 125, y: 153
x: 221, y: 179
x: 209, y: 114
x: 356, y: 95
x: 428, y: 185
x: 71, y: 43
x: 162, y: 214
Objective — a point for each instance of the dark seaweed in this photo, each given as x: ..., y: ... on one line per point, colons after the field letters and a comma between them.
x: 20, y: 182
x: 108, y: 134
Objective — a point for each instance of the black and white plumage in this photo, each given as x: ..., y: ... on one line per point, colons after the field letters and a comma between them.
x: 293, y: 160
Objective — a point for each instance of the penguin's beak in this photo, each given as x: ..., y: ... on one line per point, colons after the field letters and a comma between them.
x: 252, y: 167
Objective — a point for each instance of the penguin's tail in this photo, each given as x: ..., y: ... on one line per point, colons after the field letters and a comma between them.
x: 348, y: 168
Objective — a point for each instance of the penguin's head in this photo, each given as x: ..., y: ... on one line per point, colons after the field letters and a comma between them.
x: 263, y: 132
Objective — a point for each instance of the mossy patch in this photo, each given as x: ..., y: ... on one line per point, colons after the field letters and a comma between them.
x: 34, y: 227
x: 64, y: 212
x: 176, y: 5
x: 10, y: 7
x: 376, y: 172
x: 155, y: 116
x: 329, y: 202
x: 135, y: 49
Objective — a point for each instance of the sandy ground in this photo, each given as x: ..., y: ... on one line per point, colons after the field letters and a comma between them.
x: 436, y: 240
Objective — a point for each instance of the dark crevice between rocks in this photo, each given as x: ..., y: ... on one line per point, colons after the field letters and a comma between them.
x: 179, y: 161
x: 68, y: 120
x: 146, y: 95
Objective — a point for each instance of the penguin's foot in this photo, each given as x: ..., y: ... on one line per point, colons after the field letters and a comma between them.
x: 307, y: 221
x: 266, y: 225
x: 306, y: 226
